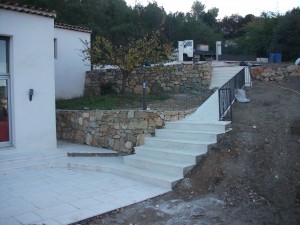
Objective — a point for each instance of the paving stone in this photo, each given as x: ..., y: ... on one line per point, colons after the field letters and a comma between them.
x: 85, y: 203
x: 28, y: 218
x: 76, y: 216
x: 59, y: 196
x: 55, y: 211
x: 9, y: 221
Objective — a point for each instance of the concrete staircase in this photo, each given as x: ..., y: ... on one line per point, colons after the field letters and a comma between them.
x: 174, y: 151
x: 166, y: 158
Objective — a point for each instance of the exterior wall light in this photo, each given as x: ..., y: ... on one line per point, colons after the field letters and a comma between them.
x: 30, y: 94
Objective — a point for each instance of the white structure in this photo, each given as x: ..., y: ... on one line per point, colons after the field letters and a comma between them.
x: 218, y: 49
x: 180, y: 51
x: 27, y: 76
x: 69, y: 65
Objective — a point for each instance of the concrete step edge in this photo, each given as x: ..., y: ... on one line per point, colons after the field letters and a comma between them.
x: 187, y: 131
x: 215, y: 122
x: 184, y: 141
x: 169, y: 150
x: 155, y: 160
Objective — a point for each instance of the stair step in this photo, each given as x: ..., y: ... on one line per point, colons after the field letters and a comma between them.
x: 186, y: 134
x: 177, y: 143
x: 190, y: 125
x: 93, y: 154
x: 157, y: 178
x: 144, y: 175
x: 161, y: 165
x: 186, y: 156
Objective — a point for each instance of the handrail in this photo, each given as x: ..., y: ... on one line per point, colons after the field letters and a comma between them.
x: 226, y: 95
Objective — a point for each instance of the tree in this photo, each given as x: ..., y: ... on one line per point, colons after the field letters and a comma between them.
x: 198, y: 10
x: 150, y: 17
x: 127, y: 57
x: 210, y: 18
x: 286, y: 35
x: 232, y: 26
x: 259, y: 35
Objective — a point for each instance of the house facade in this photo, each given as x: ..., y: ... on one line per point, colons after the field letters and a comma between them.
x: 27, y: 77
x: 70, y: 68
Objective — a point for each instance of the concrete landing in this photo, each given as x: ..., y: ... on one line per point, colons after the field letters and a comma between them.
x: 53, y: 189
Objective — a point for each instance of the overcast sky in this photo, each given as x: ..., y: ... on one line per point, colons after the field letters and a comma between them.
x: 227, y: 7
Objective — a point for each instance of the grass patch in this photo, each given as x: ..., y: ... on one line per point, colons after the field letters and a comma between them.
x: 108, y: 102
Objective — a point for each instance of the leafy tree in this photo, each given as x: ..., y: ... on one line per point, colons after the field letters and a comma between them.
x: 197, y: 10
x: 258, y: 35
x: 232, y: 26
x: 196, y: 25
x: 149, y: 17
x: 210, y: 18
x: 127, y: 57
x: 286, y: 35
x: 173, y: 27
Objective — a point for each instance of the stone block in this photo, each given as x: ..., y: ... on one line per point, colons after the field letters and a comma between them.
x: 295, y: 74
x: 88, y: 139
x: 85, y: 115
x: 141, y: 139
x: 130, y: 114
x: 80, y: 121
x: 117, y: 145
x: 128, y: 145
x: 141, y: 114
x: 293, y: 69
x: 151, y: 122
x: 159, y: 122
x: 123, y: 126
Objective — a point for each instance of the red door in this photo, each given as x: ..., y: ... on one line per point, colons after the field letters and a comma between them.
x: 4, y: 120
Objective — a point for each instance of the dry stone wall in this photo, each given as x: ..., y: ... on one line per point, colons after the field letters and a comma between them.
x: 120, y: 130
x: 275, y: 71
x: 173, y: 79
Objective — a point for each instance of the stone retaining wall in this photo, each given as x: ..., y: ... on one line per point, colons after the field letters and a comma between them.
x: 173, y: 78
x: 120, y: 130
x: 275, y: 71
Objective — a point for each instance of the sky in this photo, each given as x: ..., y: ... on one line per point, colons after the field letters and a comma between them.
x: 227, y: 7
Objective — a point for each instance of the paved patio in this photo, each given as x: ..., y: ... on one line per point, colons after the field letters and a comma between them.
x: 43, y: 188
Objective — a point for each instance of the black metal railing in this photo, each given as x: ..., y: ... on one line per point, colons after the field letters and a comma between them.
x: 226, y: 95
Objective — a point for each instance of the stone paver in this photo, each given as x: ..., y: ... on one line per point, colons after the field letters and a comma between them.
x: 35, y: 194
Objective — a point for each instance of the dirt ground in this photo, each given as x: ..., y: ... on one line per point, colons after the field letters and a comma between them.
x: 181, y: 101
x: 252, y: 176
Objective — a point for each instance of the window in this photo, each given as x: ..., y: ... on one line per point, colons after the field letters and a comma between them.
x: 4, y: 59
x: 5, y: 134
x: 189, y: 44
x: 55, y: 48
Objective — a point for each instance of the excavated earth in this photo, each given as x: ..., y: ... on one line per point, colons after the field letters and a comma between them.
x: 252, y: 176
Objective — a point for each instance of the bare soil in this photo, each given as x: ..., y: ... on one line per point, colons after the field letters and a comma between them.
x: 252, y: 176
x: 181, y: 101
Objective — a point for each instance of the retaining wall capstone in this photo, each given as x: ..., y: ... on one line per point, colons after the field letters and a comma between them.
x: 120, y: 130
x: 171, y: 79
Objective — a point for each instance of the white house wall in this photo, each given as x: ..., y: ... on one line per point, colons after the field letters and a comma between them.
x: 69, y: 65
x: 31, y: 67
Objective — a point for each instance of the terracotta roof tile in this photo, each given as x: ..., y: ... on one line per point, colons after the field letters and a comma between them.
x: 27, y: 9
x: 72, y: 27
